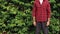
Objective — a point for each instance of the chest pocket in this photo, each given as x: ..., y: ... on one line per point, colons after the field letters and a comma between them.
x: 38, y: 5
x: 44, y: 6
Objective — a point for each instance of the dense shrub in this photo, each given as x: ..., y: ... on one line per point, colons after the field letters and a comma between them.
x: 15, y: 17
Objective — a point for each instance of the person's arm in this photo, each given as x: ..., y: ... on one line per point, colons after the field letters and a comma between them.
x: 48, y: 13
x: 33, y: 14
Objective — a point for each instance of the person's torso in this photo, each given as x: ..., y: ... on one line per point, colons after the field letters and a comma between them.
x: 41, y: 12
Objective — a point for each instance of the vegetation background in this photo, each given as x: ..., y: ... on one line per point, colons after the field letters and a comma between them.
x: 16, y: 18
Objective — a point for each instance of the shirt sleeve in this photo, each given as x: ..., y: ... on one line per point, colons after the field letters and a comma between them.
x: 48, y: 10
x: 34, y: 10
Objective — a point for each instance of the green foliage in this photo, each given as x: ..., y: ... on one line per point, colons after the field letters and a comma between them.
x: 15, y: 17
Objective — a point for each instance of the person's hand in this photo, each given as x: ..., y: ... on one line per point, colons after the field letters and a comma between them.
x: 48, y: 23
x: 34, y: 23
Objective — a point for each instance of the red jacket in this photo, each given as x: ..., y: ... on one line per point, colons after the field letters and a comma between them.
x: 41, y: 12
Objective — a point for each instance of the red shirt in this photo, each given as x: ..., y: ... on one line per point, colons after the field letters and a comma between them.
x: 41, y: 12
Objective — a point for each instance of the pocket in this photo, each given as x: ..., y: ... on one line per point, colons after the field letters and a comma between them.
x: 44, y: 5
x: 38, y: 5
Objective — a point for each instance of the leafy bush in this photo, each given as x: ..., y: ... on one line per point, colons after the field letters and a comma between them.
x: 15, y: 17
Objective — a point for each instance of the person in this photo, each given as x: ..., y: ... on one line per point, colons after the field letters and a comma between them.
x: 41, y: 15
